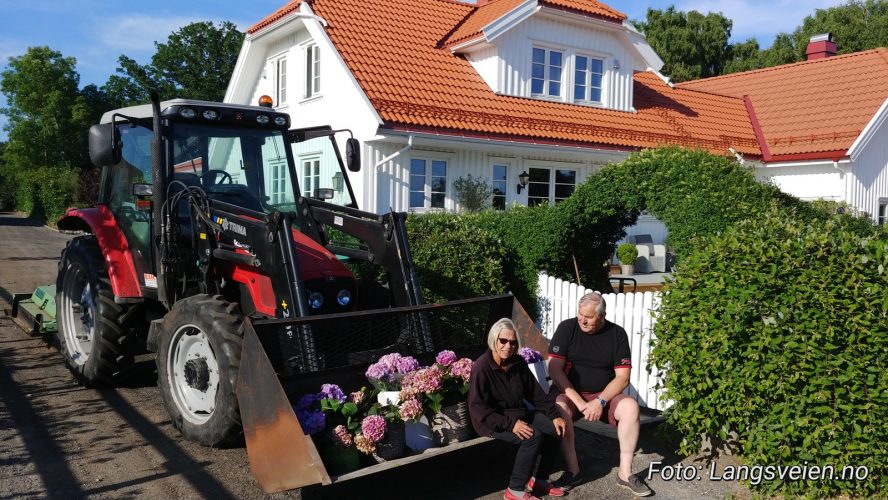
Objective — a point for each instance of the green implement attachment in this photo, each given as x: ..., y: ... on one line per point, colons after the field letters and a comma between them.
x: 35, y: 312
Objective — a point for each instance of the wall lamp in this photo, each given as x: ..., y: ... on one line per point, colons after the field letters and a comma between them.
x: 338, y: 182
x: 522, y: 181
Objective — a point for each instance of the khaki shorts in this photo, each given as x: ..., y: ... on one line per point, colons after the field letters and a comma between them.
x: 610, y: 409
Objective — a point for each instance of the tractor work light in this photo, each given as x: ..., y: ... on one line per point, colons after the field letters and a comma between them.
x: 315, y: 300
x: 265, y: 101
x: 263, y: 119
x: 343, y: 297
x: 187, y: 113
x: 210, y: 114
x: 280, y: 120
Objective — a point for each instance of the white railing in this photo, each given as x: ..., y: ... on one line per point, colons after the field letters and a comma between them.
x: 557, y: 300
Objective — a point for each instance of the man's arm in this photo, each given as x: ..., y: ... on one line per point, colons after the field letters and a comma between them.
x: 617, y: 385
x: 559, y: 378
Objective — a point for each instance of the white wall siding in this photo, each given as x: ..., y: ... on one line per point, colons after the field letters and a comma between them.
x: 633, y: 311
x: 870, y: 175
x: 647, y: 225
x: 515, y: 56
x: 808, y: 182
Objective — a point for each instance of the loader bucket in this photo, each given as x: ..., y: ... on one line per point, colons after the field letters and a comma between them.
x: 35, y: 312
x: 283, y: 359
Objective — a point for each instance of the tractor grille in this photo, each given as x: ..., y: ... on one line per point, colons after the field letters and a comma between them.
x: 329, y: 342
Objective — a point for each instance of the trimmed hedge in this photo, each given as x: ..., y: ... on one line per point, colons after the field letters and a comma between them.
x: 42, y: 192
x: 777, y: 331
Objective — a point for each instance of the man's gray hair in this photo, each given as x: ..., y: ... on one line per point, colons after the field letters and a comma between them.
x: 500, y: 325
x: 596, y: 300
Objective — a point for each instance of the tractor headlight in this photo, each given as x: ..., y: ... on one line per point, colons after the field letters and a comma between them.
x: 187, y: 113
x: 343, y: 297
x: 263, y: 119
x: 280, y: 120
x: 210, y: 114
x: 315, y: 300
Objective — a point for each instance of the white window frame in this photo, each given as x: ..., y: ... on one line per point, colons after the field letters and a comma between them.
x: 588, y: 75
x: 552, y: 168
x: 548, y: 49
x: 427, y: 185
x: 308, y: 188
x: 280, y: 79
x: 311, y: 57
x: 498, y: 162
x: 279, y: 177
x: 881, y: 217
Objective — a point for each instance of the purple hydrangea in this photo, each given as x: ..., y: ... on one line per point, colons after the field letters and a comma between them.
x: 312, y: 422
x: 445, y: 358
x: 373, y: 428
x: 530, y: 355
x: 332, y: 391
x: 306, y: 401
x: 388, y: 371
x: 407, y: 364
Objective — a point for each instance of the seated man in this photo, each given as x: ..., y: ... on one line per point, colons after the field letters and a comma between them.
x: 589, y: 363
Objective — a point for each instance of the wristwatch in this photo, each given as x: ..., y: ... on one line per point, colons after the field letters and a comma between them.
x: 602, y: 401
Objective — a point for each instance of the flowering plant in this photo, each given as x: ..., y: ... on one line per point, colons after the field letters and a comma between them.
x: 447, y: 379
x: 386, y: 374
x: 309, y: 416
x: 530, y: 356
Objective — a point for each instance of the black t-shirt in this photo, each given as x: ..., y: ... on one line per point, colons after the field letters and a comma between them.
x: 590, y: 358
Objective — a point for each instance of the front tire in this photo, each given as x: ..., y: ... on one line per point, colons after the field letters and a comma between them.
x: 96, y: 346
x: 197, y: 366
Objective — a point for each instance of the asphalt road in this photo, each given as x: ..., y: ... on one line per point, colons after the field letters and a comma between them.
x: 61, y: 440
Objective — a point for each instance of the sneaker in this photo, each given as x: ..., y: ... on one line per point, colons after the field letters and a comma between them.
x: 635, y: 485
x: 526, y: 496
x: 544, y: 488
x: 567, y: 481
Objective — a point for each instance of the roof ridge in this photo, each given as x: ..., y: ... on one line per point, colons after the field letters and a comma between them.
x: 784, y: 66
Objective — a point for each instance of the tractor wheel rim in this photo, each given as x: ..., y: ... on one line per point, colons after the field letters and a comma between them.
x: 193, y: 374
x: 79, y: 316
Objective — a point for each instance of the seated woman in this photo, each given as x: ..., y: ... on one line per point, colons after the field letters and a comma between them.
x: 499, y: 385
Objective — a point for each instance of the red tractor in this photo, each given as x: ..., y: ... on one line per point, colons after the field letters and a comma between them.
x: 215, y: 221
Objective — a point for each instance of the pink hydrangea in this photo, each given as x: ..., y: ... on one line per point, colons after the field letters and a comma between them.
x: 425, y: 380
x: 461, y: 368
x: 364, y: 445
x: 410, y: 409
x: 386, y: 372
x: 373, y: 428
x: 356, y: 397
x: 445, y: 358
x: 342, y: 437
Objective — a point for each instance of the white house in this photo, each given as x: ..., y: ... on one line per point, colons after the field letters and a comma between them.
x: 438, y: 89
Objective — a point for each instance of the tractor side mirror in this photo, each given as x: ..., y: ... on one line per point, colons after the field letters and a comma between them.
x: 353, y: 154
x: 104, y: 145
x: 324, y: 194
x: 143, y: 190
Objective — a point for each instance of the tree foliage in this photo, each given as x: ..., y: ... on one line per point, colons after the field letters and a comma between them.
x: 855, y: 25
x: 196, y: 62
x: 472, y: 193
x: 692, y: 45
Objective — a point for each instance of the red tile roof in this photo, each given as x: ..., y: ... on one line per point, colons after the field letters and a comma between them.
x: 479, y: 17
x: 811, y: 108
x: 393, y: 50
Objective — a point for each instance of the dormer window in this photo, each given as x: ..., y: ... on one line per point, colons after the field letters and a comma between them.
x: 588, y: 73
x: 546, y: 70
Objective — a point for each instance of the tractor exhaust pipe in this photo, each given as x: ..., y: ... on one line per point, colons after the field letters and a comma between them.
x: 158, y: 181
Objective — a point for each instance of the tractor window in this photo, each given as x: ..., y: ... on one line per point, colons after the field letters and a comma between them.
x: 244, y: 167
x: 318, y: 167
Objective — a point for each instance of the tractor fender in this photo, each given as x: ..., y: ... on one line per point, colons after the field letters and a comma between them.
x: 118, y: 258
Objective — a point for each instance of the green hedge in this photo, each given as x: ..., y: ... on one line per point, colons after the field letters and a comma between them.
x: 777, y: 331
x: 42, y: 192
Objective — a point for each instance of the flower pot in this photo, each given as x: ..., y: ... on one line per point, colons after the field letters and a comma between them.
x: 393, y: 444
x: 339, y: 460
x: 419, y: 435
x: 452, y: 424
x: 388, y: 397
x: 628, y: 270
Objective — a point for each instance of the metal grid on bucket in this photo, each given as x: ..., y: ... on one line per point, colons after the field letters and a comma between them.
x: 332, y: 341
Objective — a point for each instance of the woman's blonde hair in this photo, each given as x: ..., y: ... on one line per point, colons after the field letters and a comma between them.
x: 500, y: 325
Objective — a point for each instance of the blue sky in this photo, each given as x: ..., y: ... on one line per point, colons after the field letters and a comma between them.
x: 96, y: 32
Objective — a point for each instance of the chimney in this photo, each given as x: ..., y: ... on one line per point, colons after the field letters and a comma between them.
x: 821, y: 47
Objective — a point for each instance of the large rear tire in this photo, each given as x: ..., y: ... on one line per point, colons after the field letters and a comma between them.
x: 197, y: 366
x: 96, y: 346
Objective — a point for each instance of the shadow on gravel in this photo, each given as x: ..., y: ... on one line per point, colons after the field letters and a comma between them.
x: 48, y: 457
x: 7, y: 219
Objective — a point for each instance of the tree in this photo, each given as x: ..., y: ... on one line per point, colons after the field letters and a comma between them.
x: 856, y: 25
x: 692, y: 45
x: 196, y: 62
x: 41, y: 92
x: 745, y: 56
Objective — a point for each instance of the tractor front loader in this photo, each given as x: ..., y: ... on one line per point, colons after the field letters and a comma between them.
x: 229, y: 245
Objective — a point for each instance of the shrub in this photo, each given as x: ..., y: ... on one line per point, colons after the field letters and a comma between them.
x: 472, y: 193
x: 627, y: 253
x: 777, y: 330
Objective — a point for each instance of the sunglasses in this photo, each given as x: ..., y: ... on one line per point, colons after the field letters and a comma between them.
x: 502, y: 341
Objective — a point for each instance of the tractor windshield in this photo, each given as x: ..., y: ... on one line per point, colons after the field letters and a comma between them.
x: 246, y: 167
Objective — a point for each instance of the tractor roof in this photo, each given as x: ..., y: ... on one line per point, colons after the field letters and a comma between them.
x: 144, y: 110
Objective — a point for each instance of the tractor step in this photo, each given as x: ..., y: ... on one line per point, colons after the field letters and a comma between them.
x: 35, y: 312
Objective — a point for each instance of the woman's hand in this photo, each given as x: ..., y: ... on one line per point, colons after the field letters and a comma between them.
x: 522, y: 430
x: 559, y: 426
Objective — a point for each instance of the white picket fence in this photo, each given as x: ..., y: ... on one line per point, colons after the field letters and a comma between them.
x: 557, y: 300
